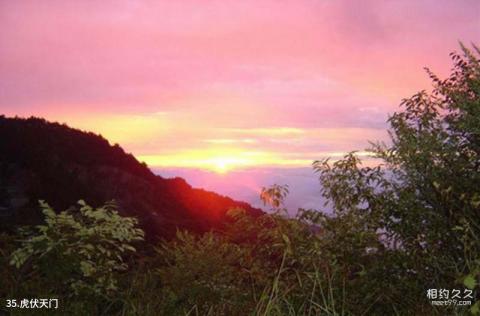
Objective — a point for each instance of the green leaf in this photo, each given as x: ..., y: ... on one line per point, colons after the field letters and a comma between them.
x: 475, y: 309
x: 128, y: 247
x: 469, y: 282
x: 48, y: 212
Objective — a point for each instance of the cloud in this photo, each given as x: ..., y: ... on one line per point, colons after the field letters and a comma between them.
x: 165, y: 77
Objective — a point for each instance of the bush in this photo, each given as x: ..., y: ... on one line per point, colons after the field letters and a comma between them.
x: 78, y: 251
x: 205, y: 273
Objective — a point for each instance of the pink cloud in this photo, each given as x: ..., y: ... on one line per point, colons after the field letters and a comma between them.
x: 217, y: 64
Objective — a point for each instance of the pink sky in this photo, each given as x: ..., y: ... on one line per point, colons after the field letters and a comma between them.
x: 225, y: 84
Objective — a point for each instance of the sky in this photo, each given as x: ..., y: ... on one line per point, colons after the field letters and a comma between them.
x: 224, y: 86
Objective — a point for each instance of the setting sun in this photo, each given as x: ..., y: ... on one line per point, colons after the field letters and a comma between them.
x: 225, y: 164
x: 216, y: 160
x: 221, y: 160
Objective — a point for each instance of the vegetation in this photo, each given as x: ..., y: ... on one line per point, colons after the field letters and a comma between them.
x: 85, y: 247
x: 409, y: 224
x: 47, y: 161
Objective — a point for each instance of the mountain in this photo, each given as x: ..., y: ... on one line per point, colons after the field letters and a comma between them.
x: 47, y: 161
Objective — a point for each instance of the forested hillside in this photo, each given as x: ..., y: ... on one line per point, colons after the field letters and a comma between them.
x: 40, y: 160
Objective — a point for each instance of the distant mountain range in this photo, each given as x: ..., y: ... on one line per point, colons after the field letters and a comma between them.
x: 47, y: 161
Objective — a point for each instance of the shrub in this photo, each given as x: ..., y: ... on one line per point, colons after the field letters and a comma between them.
x: 78, y: 251
x: 205, y: 273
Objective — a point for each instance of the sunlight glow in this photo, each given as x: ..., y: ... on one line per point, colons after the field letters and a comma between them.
x: 216, y: 160
x: 226, y: 160
x: 123, y: 129
x: 224, y: 164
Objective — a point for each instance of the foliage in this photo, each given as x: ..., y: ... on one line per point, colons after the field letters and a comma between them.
x: 79, y: 249
x: 423, y: 195
x: 204, y: 272
x: 274, y: 196
x: 41, y: 160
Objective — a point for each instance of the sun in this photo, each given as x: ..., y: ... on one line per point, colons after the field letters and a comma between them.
x: 218, y: 160
x: 224, y: 164
x: 221, y: 167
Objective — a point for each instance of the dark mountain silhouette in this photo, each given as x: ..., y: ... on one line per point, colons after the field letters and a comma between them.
x: 58, y: 164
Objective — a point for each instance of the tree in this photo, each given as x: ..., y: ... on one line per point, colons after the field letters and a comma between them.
x: 423, y: 198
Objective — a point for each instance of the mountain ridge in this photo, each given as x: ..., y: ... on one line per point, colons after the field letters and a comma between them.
x: 59, y: 164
